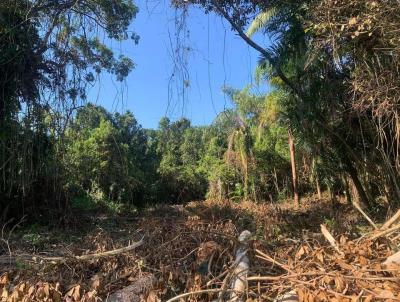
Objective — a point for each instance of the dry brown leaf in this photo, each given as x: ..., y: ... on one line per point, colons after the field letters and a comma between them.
x: 4, y: 279
x: 363, y: 261
x: 56, y: 296
x: 320, y: 256
x: 74, y: 293
x: 31, y: 290
x: 46, y: 289
x: 301, y: 295
x: 4, y: 294
x: 40, y: 293
x: 339, y: 284
x: 206, y: 249
x: 300, y: 253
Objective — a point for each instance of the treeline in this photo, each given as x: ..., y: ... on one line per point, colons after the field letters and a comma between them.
x: 107, y: 157
x: 110, y: 158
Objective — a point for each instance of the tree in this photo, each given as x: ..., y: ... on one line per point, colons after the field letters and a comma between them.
x: 294, y: 169
x: 50, y: 51
x: 108, y: 154
x: 180, y: 148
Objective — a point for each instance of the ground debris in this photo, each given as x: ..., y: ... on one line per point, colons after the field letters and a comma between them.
x: 191, y: 249
x: 318, y: 272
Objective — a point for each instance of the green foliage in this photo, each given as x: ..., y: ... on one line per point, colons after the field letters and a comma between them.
x: 255, y: 161
x: 260, y: 21
x: 107, y: 153
x: 180, y: 150
x: 83, y: 203
x: 49, y: 52
x: 111, y: 161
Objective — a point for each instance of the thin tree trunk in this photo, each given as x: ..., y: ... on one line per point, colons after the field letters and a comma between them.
x: 276, y: 181
x: 294, y: 172
x: 330, y: 193
x: 318, y: 187
x: 347, y: 186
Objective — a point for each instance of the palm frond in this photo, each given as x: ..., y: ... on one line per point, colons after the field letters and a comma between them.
x: 260, y: 21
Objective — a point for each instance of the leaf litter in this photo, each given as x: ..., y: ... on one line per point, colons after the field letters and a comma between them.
x: 191, y: 248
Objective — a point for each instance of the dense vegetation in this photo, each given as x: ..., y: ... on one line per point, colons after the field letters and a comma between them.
x: 331, y: 121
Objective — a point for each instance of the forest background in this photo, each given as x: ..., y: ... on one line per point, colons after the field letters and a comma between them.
x: 329, y: 122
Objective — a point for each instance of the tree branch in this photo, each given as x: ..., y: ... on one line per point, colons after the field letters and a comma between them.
x: 260, y: 49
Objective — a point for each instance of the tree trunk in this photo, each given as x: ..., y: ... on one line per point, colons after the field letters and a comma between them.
x: 330, y: 193
x: 294, y: 172
x: 318, y: 187
x: 276, y: 181
x: 356, y: 181
x: 347, y: 186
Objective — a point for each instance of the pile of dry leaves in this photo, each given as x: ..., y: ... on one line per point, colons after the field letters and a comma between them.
x: 363, y: 269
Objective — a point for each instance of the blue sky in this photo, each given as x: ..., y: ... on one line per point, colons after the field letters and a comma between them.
x: 216, y: 57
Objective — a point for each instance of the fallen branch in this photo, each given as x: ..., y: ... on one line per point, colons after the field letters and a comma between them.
x: 98, y: 255
x: 218, y: 277
x: 357, y: 206
x: 271, y: 278
x: 392, y: 220
x: 291, y: 296
x: 285, y: 277
x: 270, y: 259
x: 386, y: 232
x: 330, y: 239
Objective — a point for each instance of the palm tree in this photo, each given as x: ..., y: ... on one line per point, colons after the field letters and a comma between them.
x: 261, y: 22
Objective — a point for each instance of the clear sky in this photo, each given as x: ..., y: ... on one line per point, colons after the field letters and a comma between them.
x: 214, y: 56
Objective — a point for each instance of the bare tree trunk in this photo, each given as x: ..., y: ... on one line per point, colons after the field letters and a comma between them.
x: 219, y: 188
x: 330, y: 193
x: 276, y: 181
x: 294, y: 172
x: 318, y: 187
x: 347, y: 186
